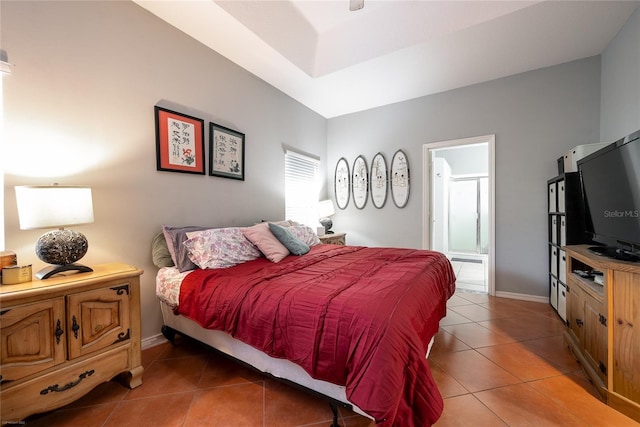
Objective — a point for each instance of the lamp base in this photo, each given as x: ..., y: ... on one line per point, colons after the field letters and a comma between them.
x: 327, y: 224
x: 61, y: 247
x: 47, y: 272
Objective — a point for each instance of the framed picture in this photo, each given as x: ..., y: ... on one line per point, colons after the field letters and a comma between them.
x: 341, y: 183
x: 360, y: 182
x: 378, y: 180
x: 400, y: 179
x: 179, y: 142
x: 226, y: 152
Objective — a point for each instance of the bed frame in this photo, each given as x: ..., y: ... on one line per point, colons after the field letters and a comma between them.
x: 279, y: 369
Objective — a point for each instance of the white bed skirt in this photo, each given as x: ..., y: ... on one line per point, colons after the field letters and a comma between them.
x: 279, y: 368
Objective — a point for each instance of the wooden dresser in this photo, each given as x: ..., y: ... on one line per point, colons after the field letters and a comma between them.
x: 604, y: 326
x: 63, y: 336
x: 334, y: 238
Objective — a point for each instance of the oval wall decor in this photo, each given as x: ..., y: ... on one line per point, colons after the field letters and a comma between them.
x: 341, y: 183
x: 400, y: 179
x: 360, y: 182
x: 378, y: 180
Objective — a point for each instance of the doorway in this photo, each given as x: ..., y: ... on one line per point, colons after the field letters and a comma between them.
x: 458, y: 215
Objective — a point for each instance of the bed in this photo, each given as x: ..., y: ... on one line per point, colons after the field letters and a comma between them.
x: 351, y: 323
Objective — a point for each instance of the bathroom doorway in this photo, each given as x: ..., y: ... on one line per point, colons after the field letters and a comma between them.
x: 459, y: 201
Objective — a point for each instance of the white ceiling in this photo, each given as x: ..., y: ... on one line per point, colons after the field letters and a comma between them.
x: 336, y: 61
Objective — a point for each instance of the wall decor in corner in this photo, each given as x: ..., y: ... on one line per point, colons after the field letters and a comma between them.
x: 378, y: 180
x: 226, y: 152
x: 360, y: 182
x: 179, y: 142
x: 341, y: 183
x: 400, y: 179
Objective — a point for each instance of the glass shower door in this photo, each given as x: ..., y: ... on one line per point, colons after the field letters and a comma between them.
x: 469, y: 215
x: 463, y: 215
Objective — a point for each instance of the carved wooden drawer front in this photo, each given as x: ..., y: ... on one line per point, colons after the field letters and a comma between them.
x: 61, y: 387
x: 98, y: 319
x: 28, y: 345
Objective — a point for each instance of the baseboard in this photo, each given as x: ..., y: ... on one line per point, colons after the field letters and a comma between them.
x: 522, y: 297
x: 152, y: 341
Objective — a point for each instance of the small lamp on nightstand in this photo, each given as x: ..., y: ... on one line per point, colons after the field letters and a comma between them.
x: 325, y: 210
x: 48, y: 206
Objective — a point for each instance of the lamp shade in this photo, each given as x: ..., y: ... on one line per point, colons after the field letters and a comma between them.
x: 325, y: 209
x: 48, y: 206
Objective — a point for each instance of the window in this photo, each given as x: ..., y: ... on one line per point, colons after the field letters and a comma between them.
x: 301, y: 187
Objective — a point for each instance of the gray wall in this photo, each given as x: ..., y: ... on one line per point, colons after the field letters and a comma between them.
x: 471, y: 160
x: 536, y: 117
x: 78, y: 109
x: 620, y: 103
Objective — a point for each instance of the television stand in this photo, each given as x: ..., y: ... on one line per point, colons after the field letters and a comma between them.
x: 614, y: 253
x: 602, y: 326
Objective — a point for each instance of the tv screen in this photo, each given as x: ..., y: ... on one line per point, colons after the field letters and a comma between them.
x: 611, y: 185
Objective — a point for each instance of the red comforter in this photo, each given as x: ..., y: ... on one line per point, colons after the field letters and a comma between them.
x: 354, y: 316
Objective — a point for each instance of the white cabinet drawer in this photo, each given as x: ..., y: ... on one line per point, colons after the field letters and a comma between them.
x: 562, y: 266
x: 562, y: 301
x: 560, y: 194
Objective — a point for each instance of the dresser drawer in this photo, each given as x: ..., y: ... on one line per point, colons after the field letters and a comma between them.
x: 62, y: 386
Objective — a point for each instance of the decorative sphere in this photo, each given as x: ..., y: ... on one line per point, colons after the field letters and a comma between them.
x: 327, y: 224
x: 61, y: 247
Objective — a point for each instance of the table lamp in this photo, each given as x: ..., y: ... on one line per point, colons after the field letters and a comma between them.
x: 325, y: 210
x: 48, y: 206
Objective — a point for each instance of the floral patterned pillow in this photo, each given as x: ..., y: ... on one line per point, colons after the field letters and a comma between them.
x: 220, y: 248
x: 305, y: 233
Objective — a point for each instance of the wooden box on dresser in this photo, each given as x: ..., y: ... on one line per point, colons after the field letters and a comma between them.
x: 603, y: 328
x: 63, y: 336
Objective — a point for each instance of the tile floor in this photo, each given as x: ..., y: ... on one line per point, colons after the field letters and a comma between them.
x: 497, y: 362
x: 471, y: 276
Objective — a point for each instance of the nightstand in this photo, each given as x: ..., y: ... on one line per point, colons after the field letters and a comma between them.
x: 333, y: 239
x: 63, y: 336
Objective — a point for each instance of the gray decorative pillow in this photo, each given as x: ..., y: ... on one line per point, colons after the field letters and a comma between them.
x: 291, y: 242
x: 175, y: 237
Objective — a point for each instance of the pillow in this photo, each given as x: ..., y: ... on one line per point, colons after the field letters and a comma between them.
x: 291, y: 242
x: 220, y: 248
x: 283, y: 223
x: 175, y: 236
x: 160, y: 252
x: 305, y: 233
x: 264, y: 239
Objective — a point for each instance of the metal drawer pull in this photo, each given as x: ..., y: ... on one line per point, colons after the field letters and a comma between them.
x: 58, y: 332
x: 72, y: 384
x: 75, y: 327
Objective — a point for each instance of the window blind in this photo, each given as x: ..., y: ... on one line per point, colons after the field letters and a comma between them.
x: 302, y: 187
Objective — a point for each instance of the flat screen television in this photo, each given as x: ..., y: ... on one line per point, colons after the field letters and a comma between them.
x: 611, y: 184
